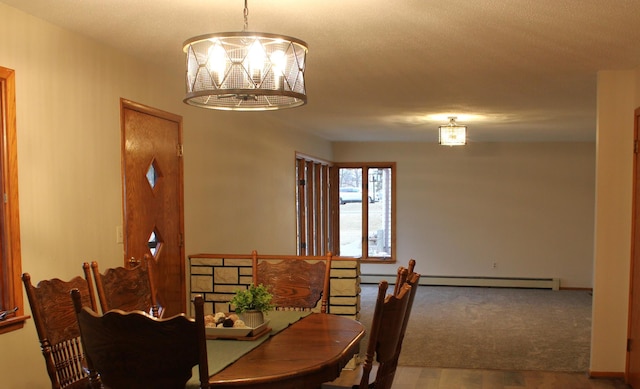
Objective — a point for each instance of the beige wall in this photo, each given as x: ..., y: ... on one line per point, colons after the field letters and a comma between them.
x: 239, y: 191
x: 240, y: 185
x: 618, y: 97
x: 528, y: 207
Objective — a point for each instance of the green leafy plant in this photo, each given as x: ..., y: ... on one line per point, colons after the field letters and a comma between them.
x: 254, y: 298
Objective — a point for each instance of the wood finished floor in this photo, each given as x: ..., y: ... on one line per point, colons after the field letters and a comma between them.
x: 435, y: 378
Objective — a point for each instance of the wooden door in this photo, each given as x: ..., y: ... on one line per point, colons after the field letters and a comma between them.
x: 153, y: 198
x: 633, y: 342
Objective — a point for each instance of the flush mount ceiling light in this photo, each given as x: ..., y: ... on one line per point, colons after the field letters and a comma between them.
x: 245, y: 71
x: 453, y: 134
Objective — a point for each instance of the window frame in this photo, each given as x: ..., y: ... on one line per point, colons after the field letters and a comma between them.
x: 335, y: 196
x: 11, y: 294
x: 313, y: 206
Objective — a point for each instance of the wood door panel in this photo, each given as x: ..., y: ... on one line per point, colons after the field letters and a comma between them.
x: 633, y: 351
x: 152, y: 168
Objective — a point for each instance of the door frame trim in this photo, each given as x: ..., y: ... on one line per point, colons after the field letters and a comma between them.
x: 634, y: 208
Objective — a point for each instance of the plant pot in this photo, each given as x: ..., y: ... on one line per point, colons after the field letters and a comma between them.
x: 252, y: 319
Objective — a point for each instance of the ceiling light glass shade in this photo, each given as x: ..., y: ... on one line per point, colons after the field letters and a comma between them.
x: 245, y: 71
x: 453, y: 134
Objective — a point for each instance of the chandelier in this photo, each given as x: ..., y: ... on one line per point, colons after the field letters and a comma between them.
x: 245, y: 71
x: 453, y: 134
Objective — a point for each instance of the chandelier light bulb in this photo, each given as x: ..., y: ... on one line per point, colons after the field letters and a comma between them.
x: 217, y: 61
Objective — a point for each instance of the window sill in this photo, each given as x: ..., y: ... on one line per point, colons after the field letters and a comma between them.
x: 13, y: 323
x: 377, y: 260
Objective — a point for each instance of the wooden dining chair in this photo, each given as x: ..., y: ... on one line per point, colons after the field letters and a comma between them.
x: 385, y: 336
x: 57, y: 328
x: 410, y: 277
x: 294, y: 282
x: 389, y: 325
x: 127, y: 289
x: 136, y: 350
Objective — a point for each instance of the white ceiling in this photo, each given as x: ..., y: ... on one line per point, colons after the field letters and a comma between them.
x: 525, y: 70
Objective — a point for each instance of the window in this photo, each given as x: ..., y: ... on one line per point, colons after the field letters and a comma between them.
x: 313, y: 208
x: 345, y: 208
x: 366, y: 211
x: 10, y: 262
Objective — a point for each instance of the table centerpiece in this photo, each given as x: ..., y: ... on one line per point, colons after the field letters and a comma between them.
x: 250, y: 304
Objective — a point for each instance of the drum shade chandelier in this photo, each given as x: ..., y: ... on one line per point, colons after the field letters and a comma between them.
x: 245, y: 71
x: 453, y: 134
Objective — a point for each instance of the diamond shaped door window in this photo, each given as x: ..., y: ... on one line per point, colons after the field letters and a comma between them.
x: 154, y: 243
x: 153, y: 174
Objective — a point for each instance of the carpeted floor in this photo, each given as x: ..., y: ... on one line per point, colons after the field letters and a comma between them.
x: 494, y: 328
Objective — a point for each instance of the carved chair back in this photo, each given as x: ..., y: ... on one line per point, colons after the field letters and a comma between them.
x: 127, y: 289
x: 295, y: 282
x: 135, y: 350
x: 57, y: 328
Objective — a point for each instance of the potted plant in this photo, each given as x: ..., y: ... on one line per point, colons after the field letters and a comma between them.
x: 251, y: 303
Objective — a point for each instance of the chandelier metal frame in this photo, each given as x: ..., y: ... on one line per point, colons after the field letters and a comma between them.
x: 245, y: 71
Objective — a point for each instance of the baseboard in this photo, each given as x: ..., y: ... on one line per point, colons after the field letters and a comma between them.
x: 577, y: 289
x: 498, y: 282
x: 606, y: 374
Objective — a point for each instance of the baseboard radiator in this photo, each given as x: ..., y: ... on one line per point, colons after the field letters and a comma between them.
x: 496, y: 282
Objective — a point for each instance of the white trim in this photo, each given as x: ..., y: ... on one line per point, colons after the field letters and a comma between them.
x: 541, y: 283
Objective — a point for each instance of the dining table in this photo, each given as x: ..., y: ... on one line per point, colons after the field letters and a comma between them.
x: 302, y: 350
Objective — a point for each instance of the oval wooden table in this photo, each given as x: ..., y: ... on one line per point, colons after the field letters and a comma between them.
x: 306, y: 354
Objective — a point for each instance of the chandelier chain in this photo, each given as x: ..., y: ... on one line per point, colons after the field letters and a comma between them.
x: 246, y: 16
